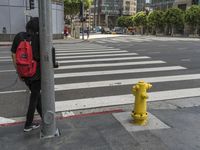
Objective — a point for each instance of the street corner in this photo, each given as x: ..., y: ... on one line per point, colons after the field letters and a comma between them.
x: 126, y: 121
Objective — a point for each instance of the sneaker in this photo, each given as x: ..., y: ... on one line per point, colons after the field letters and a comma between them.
x: 31, y: 127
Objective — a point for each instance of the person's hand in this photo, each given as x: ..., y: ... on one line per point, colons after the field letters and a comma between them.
x: 20, y: 78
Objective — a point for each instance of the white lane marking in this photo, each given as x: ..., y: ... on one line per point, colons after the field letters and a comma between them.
x: 112, y: 83
x: 10, y: 92
x: 121, y: 71
x: 4, y: 71
x: 101, y: 42
x: 126, y: 82
x: 187, y: 60
x: 111, y: 41
x: 105, y: 59
x: 121, y: 40
x: 154, y: 52
x: 92, y: 50
x: 96, y: 102
x: 104, y: 52
x: 100, y: 65
x: 110, y: 64
x: 6, y: 120
x: 85, y: 49
x: 103, y: 55
x: 6, y: 57
x: 5, y: 60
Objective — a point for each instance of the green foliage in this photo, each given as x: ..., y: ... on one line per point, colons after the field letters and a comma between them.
x: 140, y: 19
x: 72, y: 7
x: 121, y: 21
x: 192, y: 16
x: 155, y: 19
x: 174, y: 17
x: 125, y: 21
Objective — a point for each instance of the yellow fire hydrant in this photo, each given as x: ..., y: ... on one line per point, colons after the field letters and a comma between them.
x: 139, y: 114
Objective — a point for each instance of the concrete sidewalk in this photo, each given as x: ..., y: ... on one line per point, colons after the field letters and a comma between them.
x: 172, y: 126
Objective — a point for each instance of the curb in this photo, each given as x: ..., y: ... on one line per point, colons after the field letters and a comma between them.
x: 60, y: 117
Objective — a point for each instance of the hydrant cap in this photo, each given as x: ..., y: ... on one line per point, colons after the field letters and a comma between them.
x: 141, y: 81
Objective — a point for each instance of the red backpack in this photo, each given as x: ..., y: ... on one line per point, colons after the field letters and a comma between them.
x: 26, y: 65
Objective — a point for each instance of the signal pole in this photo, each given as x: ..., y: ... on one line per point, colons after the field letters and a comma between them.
x: 82, y: 1
x: 47, y: 74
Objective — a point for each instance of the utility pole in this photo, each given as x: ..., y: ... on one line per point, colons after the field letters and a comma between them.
x: 47, y: 74
x: 94, y: 18
x: 82, y: 1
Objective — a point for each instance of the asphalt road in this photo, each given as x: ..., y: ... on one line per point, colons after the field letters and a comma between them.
x: 101, y: 72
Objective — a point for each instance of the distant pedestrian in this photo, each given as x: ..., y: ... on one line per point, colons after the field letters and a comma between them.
x: 4, y: 30
x: 66, y: 32
x: 88, y: 32
x: 33, y: 82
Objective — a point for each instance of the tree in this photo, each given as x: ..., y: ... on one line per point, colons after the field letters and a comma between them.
x: 174, y: 17
x: 140, y: 20
x: 155, y: 20
x: 192, y: 17
x: 129, y: 21
x: 125, y: 21
x: 121, y: 21
x: 72, y: 7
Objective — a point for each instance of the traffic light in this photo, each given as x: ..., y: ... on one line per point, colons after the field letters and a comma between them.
x: 31, y: 4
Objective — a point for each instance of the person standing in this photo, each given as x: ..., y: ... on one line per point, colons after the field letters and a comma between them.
x: 88, y: 32
x: 34, y: 82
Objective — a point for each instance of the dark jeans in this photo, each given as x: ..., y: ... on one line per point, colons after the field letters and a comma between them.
x: 35, y: 101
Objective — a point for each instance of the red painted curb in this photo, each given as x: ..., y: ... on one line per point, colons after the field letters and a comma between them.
x: 70, y: 117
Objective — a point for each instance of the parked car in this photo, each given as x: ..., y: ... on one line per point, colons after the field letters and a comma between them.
x: 97, y: 29
x: 105, y: 30
x: 118, y: 30
x: 131, y: 30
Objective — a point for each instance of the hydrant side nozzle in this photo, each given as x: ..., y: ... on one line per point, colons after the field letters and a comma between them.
x: 144, y: 96
x: 133, y: 90
x: 149, y: 86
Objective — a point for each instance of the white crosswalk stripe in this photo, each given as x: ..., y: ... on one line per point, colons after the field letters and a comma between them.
x: 122, y: 82
x: 110, y: 64
x: 85, y: 53
x: 69, y: 105
x: 101, y: 62
x: 122, y: 71
x: 92, y: 56
x: 104, y: 59
x: 86, y: 50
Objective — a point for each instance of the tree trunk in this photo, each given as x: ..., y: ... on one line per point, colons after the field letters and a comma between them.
x: 156, y: 29
x: 172, y: 33
x: 196, y: 31
x: 142, y: 30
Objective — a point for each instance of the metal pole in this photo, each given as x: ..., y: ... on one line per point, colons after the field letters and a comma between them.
x: 94, y: 18
x: 47, y: 74
x: 82, y: 19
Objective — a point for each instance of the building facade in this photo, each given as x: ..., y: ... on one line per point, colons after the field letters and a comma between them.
x: 106, y: 12
x: 184, y: 4
x: 165, y: 4
x: 141, y: 4
x: 161, y: 4
x: 14, y: 14
x: 129, y: 7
